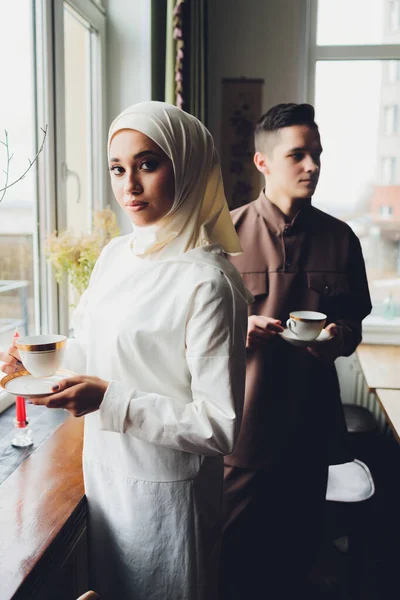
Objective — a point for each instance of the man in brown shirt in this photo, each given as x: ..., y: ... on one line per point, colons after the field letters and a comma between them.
x: 295, y: 257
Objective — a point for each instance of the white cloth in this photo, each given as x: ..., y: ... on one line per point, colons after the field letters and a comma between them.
x: 349, y: 482
x: 170, y: 337
x: 199, y: 215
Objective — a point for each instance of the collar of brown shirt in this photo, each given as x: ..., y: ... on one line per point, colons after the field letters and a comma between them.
x: 276, y: 219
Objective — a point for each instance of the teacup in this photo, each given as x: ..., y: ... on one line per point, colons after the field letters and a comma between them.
x: 41, y: 355
x: 306, y: 324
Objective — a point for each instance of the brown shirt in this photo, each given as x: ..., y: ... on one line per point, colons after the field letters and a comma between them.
x: 292, y: 405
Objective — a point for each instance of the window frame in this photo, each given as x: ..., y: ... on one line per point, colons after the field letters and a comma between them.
x: 53, y: 301
x: 376, y: 330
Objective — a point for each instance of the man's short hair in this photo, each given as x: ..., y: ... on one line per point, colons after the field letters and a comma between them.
x: 278, y: 117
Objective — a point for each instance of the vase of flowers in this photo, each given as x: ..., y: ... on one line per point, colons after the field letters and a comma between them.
x: 75, y: 254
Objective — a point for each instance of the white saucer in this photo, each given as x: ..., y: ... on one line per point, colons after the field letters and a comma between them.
x: 290, y: 337
x: 22, y: 383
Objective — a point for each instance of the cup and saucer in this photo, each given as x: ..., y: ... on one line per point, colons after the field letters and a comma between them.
x: 306, y: 328
x: 41, y: 356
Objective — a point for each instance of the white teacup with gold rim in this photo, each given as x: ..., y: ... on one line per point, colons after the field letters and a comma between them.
x: 306, y: 324
x: 41, y: 355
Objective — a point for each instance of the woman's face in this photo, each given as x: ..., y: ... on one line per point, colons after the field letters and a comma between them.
x: 142, y: 177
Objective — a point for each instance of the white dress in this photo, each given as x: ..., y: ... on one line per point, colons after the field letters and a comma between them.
x: 170, y: 337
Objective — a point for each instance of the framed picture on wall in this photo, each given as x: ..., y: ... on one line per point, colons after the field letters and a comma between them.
x: 241, y: 109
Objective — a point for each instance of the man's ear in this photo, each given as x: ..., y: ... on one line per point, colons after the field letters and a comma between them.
x: 262, y: 163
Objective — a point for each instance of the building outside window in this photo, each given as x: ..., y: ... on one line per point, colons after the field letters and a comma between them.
x: 388, y: 170
x: 354, y: 83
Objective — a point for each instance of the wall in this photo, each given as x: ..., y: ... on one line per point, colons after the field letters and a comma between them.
x: 256, y: 39
x: 128, y: 63
x: 129, y: 54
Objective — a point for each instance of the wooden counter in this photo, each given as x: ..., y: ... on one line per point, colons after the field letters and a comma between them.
x: 380, y: 366
x: 390, y: 402
x: 43, y: 521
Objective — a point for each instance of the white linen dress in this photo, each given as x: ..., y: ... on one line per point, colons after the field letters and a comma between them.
x: 170, y: 337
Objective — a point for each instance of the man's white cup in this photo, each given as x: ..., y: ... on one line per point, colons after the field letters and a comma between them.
x: 306, y: 324
x: 41, y: 355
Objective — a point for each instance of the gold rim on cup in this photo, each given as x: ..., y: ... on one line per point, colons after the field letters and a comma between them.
x: 305, y: 320
x: 40, y: 347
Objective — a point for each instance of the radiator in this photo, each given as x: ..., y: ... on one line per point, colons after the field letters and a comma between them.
x: 362, y: 397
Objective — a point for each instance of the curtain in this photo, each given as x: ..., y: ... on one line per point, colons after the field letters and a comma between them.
x: 179, y: 54
x: 158, y: 47
x: 195, y: 77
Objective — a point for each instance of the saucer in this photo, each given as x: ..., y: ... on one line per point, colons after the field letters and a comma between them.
x: 290, y: 337
x: 22, y: 383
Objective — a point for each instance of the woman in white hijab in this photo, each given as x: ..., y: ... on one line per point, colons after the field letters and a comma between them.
x: 161, y: 331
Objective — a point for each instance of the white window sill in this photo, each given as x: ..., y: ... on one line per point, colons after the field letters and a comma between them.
x: 377, y: 330
x: 5, y: 400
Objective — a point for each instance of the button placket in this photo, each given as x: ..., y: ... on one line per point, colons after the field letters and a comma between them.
x: 286, y: 245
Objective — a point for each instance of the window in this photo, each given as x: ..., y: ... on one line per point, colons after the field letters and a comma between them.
x: 18, y: 233
x: 388, y: 172
x: 393, y: 71
x: 395, y: 15
x: 391, y: 119
x: 354, y: 63
x: 59, y: 61
x: 82, y: 169
x: 385, y: 211
x: 350, y: 22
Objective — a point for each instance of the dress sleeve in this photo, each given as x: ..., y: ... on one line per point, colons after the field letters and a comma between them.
x: 75, y: 355
x: 358, y: 304
x: 207, y: 421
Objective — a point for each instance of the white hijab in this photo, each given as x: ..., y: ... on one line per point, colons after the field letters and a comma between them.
x: 199, y: 215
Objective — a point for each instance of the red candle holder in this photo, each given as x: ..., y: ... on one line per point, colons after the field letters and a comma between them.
x: 22, y: 434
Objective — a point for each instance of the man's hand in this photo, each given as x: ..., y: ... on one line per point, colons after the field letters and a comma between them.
x: 331, y: 349
x: 261, y: 329
x: 80, y: 395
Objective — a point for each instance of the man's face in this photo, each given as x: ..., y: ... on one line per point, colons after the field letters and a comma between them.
x: 292, y: 166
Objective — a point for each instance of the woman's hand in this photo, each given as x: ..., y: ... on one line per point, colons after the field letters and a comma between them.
x: 261, y: 329
x: 80, y: 395
x: 10, y: 361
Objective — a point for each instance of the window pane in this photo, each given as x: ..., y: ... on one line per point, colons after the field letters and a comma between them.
x: 353, y: 22
x: 77, y: 120
x: 77, y: 125
x: 18, y: 208
x: 360, y: 175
